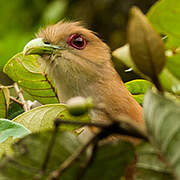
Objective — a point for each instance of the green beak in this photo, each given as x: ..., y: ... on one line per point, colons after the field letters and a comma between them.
x: 37, y: 46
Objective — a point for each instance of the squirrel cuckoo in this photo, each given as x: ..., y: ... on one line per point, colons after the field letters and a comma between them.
x: 80, y: 64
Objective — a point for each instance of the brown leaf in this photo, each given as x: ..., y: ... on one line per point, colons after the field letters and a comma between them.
x: 146, y: 46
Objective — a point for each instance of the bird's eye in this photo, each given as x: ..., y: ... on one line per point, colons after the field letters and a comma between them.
x: 46, y: 42
x: 76, y: 41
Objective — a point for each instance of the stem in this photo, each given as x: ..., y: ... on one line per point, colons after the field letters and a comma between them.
x: 17, y: 101
x: 88, y: 162
x: 63, y: 167
x: 157, y: 84
x: 49, y: 150
x: 19, y: 92
x: 116, y: 127
x: 69, y: 122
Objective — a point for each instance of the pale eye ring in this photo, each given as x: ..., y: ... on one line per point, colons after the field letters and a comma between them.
x: 76, y: 41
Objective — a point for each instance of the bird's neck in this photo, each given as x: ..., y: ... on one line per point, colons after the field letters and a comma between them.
x: 102, y: 83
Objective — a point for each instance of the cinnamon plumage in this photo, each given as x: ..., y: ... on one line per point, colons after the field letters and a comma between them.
x: 80, y: 64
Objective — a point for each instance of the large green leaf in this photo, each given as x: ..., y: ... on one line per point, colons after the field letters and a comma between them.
x: 163, y: 126
x: 29, y: 154
x: 165, y: 15
x: 110, y: 161
x: 4, y: 101
x: 29, y: 74
x: 149, y: 165
x: 42, y: 118
x: 138, y: 88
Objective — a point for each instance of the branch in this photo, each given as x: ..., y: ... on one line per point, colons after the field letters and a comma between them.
x: 19, y: 93
x: 116, y: 127
x: 17, y: 101
x: 57, y: 173
x: 48, y: 153
x: 89, y: 161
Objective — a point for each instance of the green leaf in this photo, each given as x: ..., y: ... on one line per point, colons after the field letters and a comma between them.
x: 54, y: 11
x: 173, y: 65
x: 164, y: 15
x: 42, y: 118
x: 30, y: 75
x: 4, y: 101
x: 172, y: 85
x: 30, y: 152
x: 111, y: 161
x: 149, y: 165
x: 11, y: 129
x: 163, y: 126
x: 14, y: 110
x: 146, y: 46
x: 138, y: 88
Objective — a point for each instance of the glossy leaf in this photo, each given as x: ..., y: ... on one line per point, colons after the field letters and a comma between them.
x: 105, y: 166
x: 138, y: 88
x: 164, y: 15
x: 29, y: 74
x: 4, y: 101
x: 163, y: 126
x: 11, y: 129
x: 146, y: 46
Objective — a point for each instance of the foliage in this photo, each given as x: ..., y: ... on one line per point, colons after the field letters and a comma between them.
x: 154, y: 59
x: 66, y: 144
x: 32, y: 78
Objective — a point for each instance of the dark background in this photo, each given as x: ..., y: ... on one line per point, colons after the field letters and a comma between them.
x: 20, y: 19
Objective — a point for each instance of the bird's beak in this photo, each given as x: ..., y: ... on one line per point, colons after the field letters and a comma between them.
x: 37, y: 46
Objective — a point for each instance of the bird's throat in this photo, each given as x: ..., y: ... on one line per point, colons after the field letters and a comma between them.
x: 102, y: 84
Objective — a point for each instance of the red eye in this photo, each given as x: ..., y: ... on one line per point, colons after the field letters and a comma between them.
x: 76, y: 41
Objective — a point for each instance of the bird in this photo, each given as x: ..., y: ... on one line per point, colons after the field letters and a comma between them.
x: 79, y: 63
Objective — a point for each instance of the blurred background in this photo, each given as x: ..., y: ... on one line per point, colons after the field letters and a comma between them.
x: 20, y: 19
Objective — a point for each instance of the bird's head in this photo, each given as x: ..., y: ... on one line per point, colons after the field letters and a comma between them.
x: 73, y: 55
x: 68, y: 39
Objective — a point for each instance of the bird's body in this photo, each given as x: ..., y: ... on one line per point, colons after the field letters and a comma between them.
x: 82, y: 66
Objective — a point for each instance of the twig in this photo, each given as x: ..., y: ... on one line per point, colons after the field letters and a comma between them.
x: 126, y: 126
x: 19, y: 92
x: 49, y: 150
x: 9, y: 87
x: 69, y: 122
x: 57, y: 173
x: 105, y: 130
x: 157, y: 84
x: 116, y: 127
x: 88, y: 162
x: 17, y: 101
